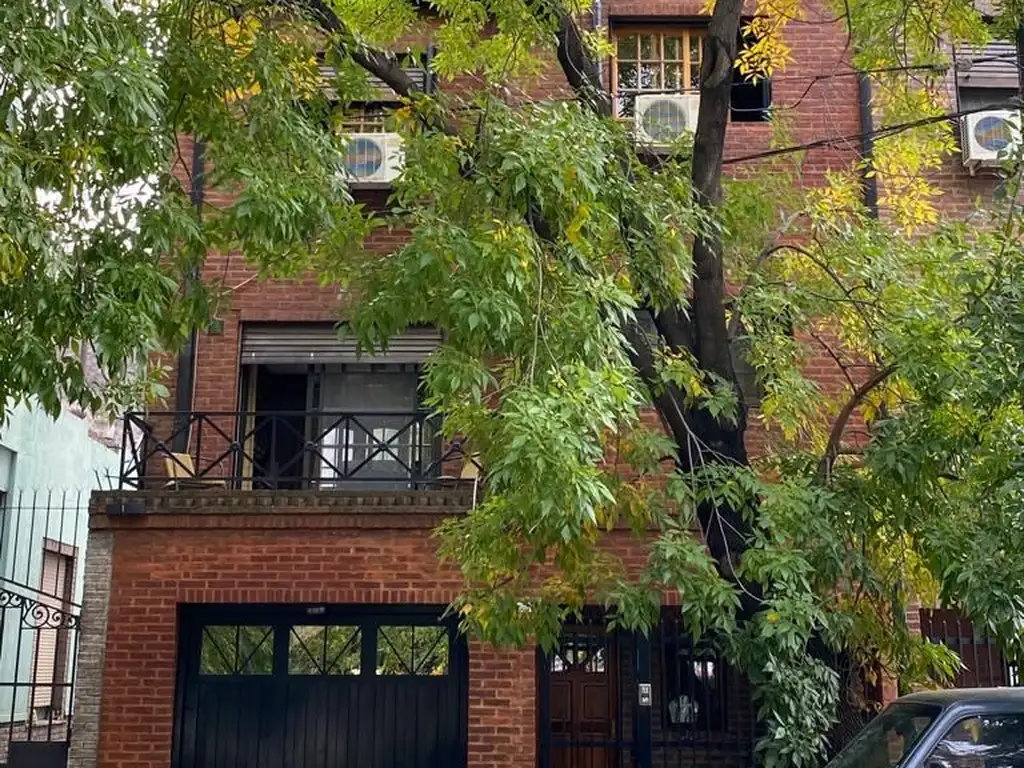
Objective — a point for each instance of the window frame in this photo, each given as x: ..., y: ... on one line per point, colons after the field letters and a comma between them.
x: 275, y: 627
x: 685, y: 29
x: 676, y: 29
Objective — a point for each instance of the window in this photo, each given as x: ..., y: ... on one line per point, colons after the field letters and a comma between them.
x: 412, y: 650
x: 324, y: 650
x: 994, y: 741
x: 237, y: 650
x: 668, y: 60
x: 889, y: 738
x: 369, y: 423
x: 647, y: 60
x: 53, y: 640
x: 364, y: 119
x: 986, y: 98
x: 580, y: 653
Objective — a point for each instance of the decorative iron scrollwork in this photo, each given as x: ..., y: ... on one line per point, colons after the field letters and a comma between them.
x: 37, y: 615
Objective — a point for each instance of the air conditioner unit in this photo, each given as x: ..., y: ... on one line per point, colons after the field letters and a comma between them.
x: 373, y: 158
x: 988, y: 138
x: 661, y: 119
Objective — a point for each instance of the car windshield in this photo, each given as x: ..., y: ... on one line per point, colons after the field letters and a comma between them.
x: 887, y: 740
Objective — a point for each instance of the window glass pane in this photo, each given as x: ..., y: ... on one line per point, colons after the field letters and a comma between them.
x: 650, y: 77
x: 319, y: 650
x: 674, y: 80
x: 627, y: 47
x: 673, y: 48
x: 625, y: 104
x: 237, y: 650
x: 696, y: 47
x: 412, y: 650
x: 584, y: 653
x: 217, y: 656
x: 648, y: 47
x: 255, y: 650
x: 627, y: 77
x: 989, y: 740
x: 889, y: 737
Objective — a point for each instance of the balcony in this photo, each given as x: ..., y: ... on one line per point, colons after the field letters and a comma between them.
x: 291, y: 450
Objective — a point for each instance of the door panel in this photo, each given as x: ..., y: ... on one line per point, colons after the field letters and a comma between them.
x: 583, y: 700
x: 235, y: 712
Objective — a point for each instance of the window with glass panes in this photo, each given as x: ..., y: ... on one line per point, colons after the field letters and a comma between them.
x: 663, y: 60
x: 365, y: 119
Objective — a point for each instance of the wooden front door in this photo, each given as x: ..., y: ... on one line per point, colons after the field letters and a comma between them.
x: 584, y: 700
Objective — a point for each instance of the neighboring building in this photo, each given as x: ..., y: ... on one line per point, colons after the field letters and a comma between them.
x: 270, y: 594
x: 48, y: 468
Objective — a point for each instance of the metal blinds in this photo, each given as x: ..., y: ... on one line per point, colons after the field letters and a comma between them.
x: 289, y: 343
x: 987, y: 66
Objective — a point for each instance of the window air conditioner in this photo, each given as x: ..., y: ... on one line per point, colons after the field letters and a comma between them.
x: 661, y: 119
x: 987, y: 138
x: 373, y: 158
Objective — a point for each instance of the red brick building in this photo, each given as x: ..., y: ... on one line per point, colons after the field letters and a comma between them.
x: 286, y: 608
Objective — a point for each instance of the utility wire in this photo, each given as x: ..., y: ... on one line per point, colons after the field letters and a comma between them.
x: 884, y: 132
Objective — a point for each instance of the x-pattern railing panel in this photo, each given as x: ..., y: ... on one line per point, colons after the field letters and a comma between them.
x: 287, y: 449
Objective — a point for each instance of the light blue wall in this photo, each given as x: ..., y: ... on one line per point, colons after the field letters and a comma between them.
x: 48, y: 468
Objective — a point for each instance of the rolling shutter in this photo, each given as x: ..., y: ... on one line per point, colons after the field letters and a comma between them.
x: 987, y: 66
x: 264, y: 343
x: 48, y: 665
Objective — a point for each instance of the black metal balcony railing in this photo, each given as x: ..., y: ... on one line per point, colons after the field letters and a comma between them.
x: 290, y: 450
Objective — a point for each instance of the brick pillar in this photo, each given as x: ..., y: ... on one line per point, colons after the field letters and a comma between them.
x: 502, y: 708
x: 92, y: 646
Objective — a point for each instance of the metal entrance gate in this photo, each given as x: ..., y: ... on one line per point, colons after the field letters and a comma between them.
x: 623, y: 700
x: 983, y: 662
x: 320, y: 686
x: 42, y: 538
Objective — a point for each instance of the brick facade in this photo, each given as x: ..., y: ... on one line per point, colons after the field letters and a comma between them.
x: 253, y: 547
x: 204, y: 547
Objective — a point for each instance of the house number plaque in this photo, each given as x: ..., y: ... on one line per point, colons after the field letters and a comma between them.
x: 644, y: 694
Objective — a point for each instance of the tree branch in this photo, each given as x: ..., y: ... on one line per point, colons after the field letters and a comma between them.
x: 383, y: 65
x: 723, y: 441
x: 580, y: 69
x: 834, y: 438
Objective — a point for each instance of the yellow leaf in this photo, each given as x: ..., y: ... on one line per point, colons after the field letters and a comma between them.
x: 579, y: 219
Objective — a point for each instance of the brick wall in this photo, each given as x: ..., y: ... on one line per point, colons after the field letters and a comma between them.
x: 255, y: 548
x: 818, y: 106
x: 195, y: 547
x: 276, y: 549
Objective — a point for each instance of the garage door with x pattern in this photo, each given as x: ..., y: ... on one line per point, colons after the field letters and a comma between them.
x: 320, y: 687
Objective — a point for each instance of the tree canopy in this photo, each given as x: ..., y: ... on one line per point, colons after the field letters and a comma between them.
x: 541, y: 239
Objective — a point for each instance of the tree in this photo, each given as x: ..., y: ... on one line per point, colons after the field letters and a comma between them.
x: 539, y: 234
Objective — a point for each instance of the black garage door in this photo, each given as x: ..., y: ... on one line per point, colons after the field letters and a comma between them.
x: 320, y: 687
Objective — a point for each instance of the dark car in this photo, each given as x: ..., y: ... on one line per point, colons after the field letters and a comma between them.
x: 976, y: 728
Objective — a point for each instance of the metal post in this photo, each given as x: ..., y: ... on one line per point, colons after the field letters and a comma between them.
x: 543, y: 710
x: 642, y: 749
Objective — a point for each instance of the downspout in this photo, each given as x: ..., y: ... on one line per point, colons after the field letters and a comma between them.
x: 598, y: 14
x: 867, y: 144
x: 184, y: 390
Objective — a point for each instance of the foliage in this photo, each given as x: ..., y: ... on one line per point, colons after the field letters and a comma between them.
x: 536, y: 233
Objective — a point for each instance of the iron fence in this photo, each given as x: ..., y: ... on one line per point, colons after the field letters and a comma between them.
x: 984, y: 665
x: 611, y: 700
x: 42, y: 551
x: 290, y: 450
